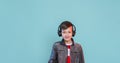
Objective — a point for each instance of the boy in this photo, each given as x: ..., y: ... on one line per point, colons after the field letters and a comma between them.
x: 66, y: 50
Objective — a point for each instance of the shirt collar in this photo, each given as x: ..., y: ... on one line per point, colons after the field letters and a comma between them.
x: 63, y: 43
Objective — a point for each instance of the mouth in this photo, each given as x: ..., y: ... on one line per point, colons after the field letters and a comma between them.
x: 67, y: 37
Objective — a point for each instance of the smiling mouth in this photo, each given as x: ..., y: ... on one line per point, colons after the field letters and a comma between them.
x: 67, y: 37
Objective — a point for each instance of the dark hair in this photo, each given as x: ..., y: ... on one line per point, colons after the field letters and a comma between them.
x: 64, y: 25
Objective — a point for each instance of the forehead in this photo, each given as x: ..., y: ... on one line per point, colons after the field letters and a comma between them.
x: 68, y: 29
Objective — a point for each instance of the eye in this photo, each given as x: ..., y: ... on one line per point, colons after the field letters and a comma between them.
x: 69, y: 32
x: 63, y: 32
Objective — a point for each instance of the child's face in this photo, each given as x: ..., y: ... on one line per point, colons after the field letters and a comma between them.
x: 67, y: 34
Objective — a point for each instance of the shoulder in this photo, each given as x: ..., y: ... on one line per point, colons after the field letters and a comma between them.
x: 57, y: 43
x: 78, y: 45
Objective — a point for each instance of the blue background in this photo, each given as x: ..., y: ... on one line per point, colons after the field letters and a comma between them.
x: 28, y: 29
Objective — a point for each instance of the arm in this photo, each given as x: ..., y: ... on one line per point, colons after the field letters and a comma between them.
x: 53, y: 57
x: 81, y: 56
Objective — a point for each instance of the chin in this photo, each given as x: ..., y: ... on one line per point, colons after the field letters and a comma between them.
x: 67, y: 39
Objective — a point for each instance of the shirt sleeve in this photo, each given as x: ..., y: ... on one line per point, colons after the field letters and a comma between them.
x: 81, y: 56
x: 53, y: 57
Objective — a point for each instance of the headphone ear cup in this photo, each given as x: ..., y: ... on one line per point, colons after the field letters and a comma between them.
x: 73, y: 34
x: 74, y: 31
x: 59, y: 33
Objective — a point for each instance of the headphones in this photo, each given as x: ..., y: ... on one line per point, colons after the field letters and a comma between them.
x: 73, y: 29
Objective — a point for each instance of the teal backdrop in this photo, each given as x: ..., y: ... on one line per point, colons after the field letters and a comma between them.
x: 28, y: 29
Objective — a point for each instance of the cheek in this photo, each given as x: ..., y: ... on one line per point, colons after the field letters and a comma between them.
x: 70, y: 35
x: 63, y: 35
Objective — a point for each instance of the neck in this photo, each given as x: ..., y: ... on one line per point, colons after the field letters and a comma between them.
x: 68, y: 42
